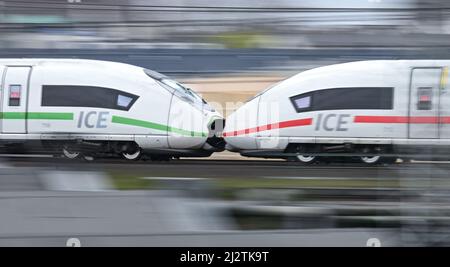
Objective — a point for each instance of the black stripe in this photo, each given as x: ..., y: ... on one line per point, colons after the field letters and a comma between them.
x: 83, y: 96
x: 347, y: 98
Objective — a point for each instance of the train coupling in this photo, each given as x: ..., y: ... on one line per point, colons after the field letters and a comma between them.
x: 216, y: 144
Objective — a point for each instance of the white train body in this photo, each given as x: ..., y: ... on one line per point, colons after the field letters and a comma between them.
x: 387, y: 103
x: 99, y: 101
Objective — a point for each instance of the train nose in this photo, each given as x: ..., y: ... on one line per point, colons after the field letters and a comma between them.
x: 241, y: 129
x: 215, y: 141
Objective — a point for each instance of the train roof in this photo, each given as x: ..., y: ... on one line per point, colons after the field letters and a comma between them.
x: 378, y: 65
x: 367, y: 67
x: 64, y: 61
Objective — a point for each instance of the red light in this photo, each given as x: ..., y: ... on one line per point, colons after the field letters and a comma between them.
x: 14, y: 95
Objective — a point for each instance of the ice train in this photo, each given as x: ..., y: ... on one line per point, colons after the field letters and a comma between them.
x: 87, y: 107
x: 377, y: 110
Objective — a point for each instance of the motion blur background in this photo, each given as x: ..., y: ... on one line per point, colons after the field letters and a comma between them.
x: 227, y: 39
x: 228, y: 51
x: 194, y: 24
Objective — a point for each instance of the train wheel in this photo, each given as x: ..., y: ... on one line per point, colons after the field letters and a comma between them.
x: 132, y: 156
x: 304, y: 159
x: 68, y: 153
x: 371, y: 160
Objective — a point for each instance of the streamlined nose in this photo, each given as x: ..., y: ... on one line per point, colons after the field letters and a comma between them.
x: 215, y: 124
x: 240, y: 129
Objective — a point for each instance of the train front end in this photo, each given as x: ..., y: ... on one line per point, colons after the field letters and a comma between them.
x: 195, y: 128
x: 241, y: 127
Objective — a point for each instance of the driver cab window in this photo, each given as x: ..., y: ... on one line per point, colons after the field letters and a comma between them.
x: 180, y: 90
x: 14, y: 95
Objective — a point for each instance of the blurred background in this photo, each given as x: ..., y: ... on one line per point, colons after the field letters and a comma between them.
x: 227, y: 51
x: 194, y: 24
x: 185, y: 36
x: 236, y: 40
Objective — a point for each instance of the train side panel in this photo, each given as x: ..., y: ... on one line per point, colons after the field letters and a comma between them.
x: 401, y: 102
x: 444, y: 103
x: 333, y: 126
x: 2, y: 72
x: 145, y: 120
x: 65, y: 100
x: 187, y: 125
x: 241, y: 127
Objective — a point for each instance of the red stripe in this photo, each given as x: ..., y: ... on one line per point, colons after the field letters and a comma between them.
x: 427, y: 120
x: 357, y: 119
x: 380, y: 119
x: 273, y: 126
x: 401, y: 119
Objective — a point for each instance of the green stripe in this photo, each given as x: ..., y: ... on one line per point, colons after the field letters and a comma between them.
x: 13, y: 115
x: 145, y: 124
x: 156, y: 126
x: 49, y: 116
x: 186, y: 132
x: 36, y: 116
x: 115, y: 119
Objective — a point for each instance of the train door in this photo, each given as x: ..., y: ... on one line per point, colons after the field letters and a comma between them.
x: 444, y: 106
x: 424, y: 103
x: 14, y: 99
x: 1, y: 89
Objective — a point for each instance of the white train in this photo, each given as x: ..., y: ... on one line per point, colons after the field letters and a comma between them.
x: 86, y: 107
x: 369, y: 109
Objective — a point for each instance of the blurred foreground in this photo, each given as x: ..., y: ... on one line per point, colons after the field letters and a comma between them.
x: 46, y: 201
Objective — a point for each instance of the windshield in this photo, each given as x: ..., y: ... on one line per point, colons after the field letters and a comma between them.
x: 180, y: 90
x: 184, y: 91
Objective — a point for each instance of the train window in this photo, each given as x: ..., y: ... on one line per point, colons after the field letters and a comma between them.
x: 86, y: 96
x: 425, y: 96
x: 154, y: 75
x: 303, y: 102
x: 345, y: 98
x: 14, y: 95
x: 181, y: 90
x: 124, y: 101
